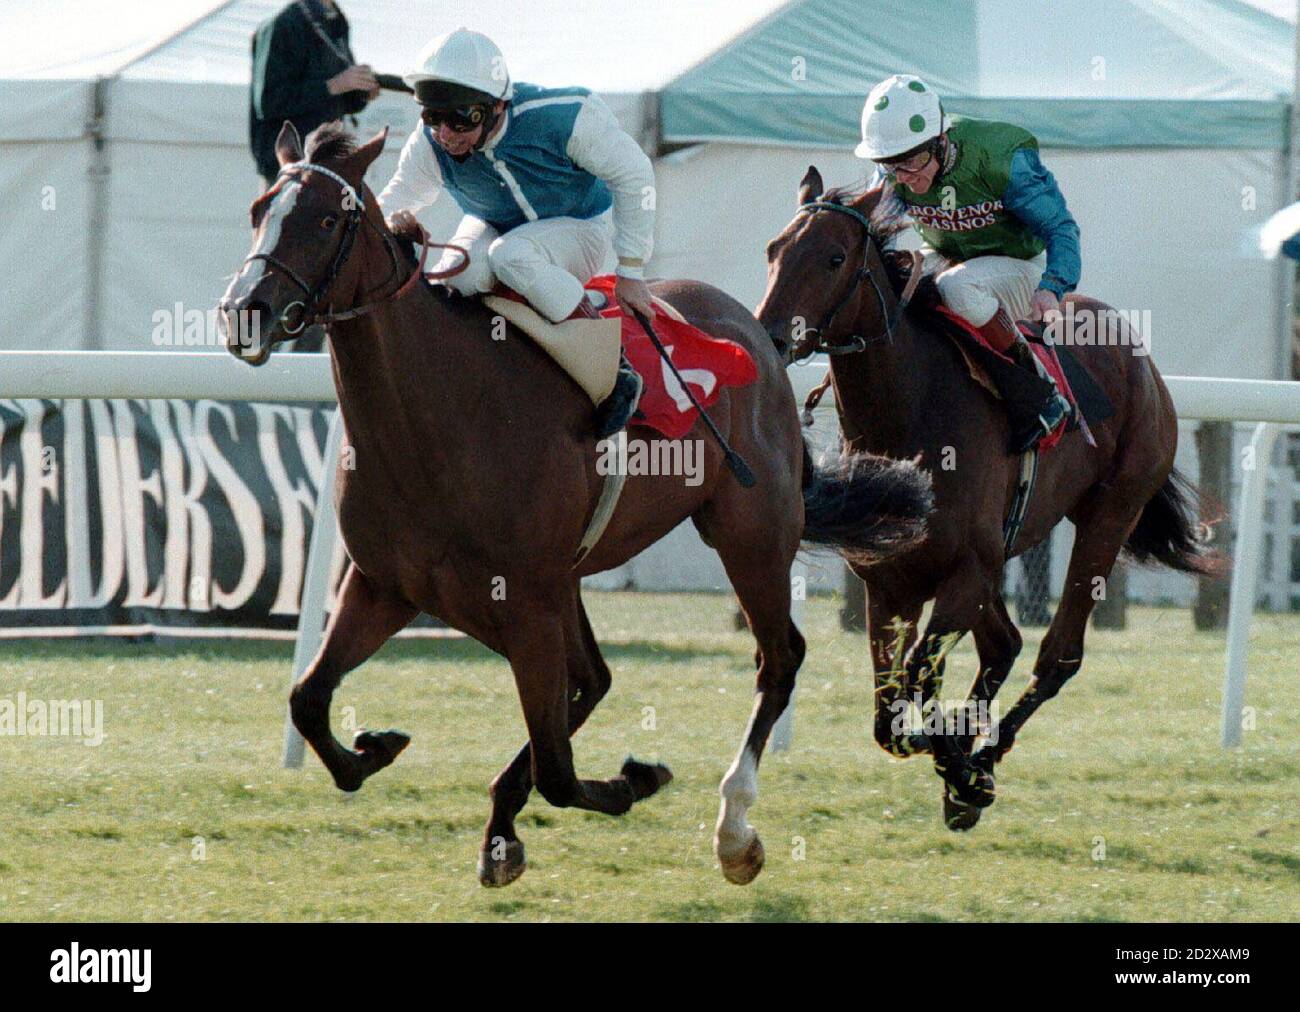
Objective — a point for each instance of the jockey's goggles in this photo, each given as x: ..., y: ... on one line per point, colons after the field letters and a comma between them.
x: 460, y: 119
x: 914, y: 162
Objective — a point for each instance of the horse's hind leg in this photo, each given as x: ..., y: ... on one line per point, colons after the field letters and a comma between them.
x: 760, y: 575
x: 1101, y: 530
x: 364, y: 619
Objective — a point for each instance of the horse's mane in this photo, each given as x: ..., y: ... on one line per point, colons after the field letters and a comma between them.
x: 887, y: 214
x: 888, y: 217
x: 329, y: 142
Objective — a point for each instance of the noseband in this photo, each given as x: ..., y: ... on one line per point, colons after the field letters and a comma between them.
x: 855, y: 342
x: 355, y: 210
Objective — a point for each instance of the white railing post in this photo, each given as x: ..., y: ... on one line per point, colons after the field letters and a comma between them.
x: 316, y: 582
x: 1245, y: 574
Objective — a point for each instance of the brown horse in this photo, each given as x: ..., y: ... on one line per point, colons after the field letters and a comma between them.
x: 474, y: 473
x: 902, y: 389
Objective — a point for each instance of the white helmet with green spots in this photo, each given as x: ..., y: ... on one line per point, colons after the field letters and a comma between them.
x: 901, y: 113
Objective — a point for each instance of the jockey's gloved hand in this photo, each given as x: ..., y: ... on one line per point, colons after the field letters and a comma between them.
x: 634, y: 294
x: 404, y: 225
x: 1043, y: 303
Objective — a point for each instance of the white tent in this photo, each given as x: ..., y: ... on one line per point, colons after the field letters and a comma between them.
x: 128, y: 174
x: 133, y: 185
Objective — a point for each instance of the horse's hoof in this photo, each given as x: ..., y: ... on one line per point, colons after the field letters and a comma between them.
x: 984, y: 759
x: 957, y: 815
x: 969, y: 784
x: 745, y: 866
x: 494, y: 873
x: 645, y: 778
x: 382, y: 746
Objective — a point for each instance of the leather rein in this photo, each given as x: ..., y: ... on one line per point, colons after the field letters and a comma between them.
x: 855, y: 342
x: 355, y: 210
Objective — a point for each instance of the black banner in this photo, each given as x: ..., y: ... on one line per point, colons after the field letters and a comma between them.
x: 131, y: 517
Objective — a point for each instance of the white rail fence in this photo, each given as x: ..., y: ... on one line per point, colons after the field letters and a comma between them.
x: 217, y: 375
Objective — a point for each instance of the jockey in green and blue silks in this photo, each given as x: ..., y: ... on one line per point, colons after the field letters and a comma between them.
x: 553, y: 190
x: 998, y: 237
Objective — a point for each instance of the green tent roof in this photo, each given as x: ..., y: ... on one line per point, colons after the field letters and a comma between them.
x: 1110, y: 73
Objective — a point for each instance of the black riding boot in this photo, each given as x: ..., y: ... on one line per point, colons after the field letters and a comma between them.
x: 1034, y: 406
x: 614, y: 411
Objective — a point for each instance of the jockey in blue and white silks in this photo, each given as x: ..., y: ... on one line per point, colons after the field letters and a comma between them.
x: 554, y: 191
x: 552, y: 187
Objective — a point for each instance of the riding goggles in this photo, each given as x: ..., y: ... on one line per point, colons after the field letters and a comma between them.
x: 460, y: 119
x: 912, y: 163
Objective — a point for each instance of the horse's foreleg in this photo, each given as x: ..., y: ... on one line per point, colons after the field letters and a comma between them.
x: 956, y: 610
x: 537, y: 652
x: 501, y: 860
x: 363, y: 621
x: 998, y: 643
x: 893, y: 631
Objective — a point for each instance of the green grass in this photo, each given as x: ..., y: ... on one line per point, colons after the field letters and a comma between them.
x: 1126, y: 757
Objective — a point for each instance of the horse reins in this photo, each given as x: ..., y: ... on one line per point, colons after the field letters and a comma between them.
x: 857, y: 342
x: 355, y: 207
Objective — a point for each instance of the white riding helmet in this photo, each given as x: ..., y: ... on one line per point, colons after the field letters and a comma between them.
x: 467, y: 58
x: 900, y: 114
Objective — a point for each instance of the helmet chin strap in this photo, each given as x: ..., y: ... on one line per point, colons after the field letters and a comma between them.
x: 490, y: 124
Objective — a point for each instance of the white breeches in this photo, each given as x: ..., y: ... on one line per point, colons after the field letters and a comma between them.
x: 546, y: 261
x: 975, y: 288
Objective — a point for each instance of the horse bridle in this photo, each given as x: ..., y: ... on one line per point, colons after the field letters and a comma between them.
x: 355, y: 208
x: 855, y: 342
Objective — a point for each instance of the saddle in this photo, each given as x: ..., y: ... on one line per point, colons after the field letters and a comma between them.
x: 586, y: 348
x: 1092, y: 407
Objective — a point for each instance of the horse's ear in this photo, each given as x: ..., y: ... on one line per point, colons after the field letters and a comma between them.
x: 810, y: 187
x: 360, y: 159
x: 288, y: 146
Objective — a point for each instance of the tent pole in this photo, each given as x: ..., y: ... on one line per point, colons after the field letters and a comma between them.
x: 1286, y: 266
x: 92, y: 338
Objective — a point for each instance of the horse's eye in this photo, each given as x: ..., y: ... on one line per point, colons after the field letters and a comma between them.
x: 837, y: 260
x: 328, y: 222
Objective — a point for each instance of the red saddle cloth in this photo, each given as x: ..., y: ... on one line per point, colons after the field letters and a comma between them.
x: 1046, y: 354
x: 707, y: 364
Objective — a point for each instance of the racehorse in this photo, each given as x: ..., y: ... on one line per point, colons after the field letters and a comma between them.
x: 902, y: 389
x: 472, y: 474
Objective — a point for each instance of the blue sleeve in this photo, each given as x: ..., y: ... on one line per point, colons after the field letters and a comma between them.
x: 1291, y: 247
x: 1033, y: 196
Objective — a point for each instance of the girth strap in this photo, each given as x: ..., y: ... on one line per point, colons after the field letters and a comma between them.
x: 610, y: 493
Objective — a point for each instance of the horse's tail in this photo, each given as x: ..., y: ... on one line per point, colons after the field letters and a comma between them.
x: 865, y: 507
x: 1168, y: 532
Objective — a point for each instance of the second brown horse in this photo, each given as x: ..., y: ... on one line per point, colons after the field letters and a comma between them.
x: 905, y: 392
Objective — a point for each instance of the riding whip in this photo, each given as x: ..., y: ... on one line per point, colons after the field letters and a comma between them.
x: 734, y: 460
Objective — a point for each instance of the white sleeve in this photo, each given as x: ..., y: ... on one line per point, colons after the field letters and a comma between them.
x: 600, y: 145
x: 418, y: 180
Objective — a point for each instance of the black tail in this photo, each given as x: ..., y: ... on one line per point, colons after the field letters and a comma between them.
x: 865, y: 507
x: 1168, y: 532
